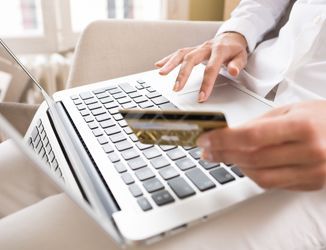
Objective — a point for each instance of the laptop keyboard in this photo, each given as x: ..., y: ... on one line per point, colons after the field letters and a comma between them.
x: 151, y: 172
x: 39, y: 141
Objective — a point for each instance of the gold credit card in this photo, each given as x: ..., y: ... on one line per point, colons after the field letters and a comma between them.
x: 171, y: 127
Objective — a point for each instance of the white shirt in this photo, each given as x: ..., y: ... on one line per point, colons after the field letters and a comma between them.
x: 296, y: 59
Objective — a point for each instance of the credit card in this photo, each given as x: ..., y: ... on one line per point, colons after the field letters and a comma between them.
x: 171, y: 127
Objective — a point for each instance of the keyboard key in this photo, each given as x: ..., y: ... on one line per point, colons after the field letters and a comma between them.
x: 74, y: 97
x: 81, y: 107
x: 185, y: 164
x: 48, y: 148
x: 181, y: 188
x: 37, y: 139
x: 107, y: 148
x: 162, y: 198
x: 94, y: 106
x: 113, y: 157
x: 92, y: 125
x: 102, y: 140
x: 78, y: 102
x: 97, y: 132
x: 123, y: 123
x: 144, y: 174
x: 123, y: 145
x: 120, y: 167
x: 208, y: 165
x: 195, y: 153
x: 114, y: 111
x: 151, y: 153
x: 176, y: 154
x: 140, y: 81
x: 86, y: 95
x: 160, y: 100
x: 84, y: 112
x: 167, y: 147
x: 127, y: 88
x: 140, y: 99
x: 118, y: 117
x: 134, y: 95
x: 103, y: 95
x: 137, y: 163
x: 98, y: 111
x: 112, y: 130
x: 123, y: 100
x: 129, y: 154
x: 128, y: 130
x: 150, y: 89
x: 117, y: 137
x: 133, y: 137
x: 118, y: 95
x: 103, y: 117
x: 107, y: 123
x: 237, y: 171
x: 139, y: 86
x: 144, y: 204
x: 168, y: 106
x: 145, y: 105
x: 127, y: 178
x: 34, y: 133
x: 111, y: 105
x: 129, y: 105
x: 188, y: 147
x: 199, y: 179
x: 90, y: 101
x: 114, y: 90
x: 99, y: 91
x: 153, y: 94
x: 143, y: 146
x: 51, y: 156
x: 106, y: 100
x: 160, y: 162
x: 153, y: 185
x: 54, y: 165
x: 221, y: 175
x: 89, y: 119
x: 135, y: 190
x: 168, y: 173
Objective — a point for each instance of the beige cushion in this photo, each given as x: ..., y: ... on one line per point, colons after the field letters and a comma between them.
x: 113, y: 48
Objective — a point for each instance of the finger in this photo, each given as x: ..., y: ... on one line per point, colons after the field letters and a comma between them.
x: 174, y: 61
x: 273, y: 156
x: 190, y: 60
x: 237, y: 64
x: 285, y: 176
x: 163, y: 61
x: 211, y: 71
x: 261, y: 133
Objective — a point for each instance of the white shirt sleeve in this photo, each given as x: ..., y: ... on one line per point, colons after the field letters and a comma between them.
x: 254, y: 18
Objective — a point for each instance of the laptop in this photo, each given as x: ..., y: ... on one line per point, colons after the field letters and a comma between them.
x: 138, y: 193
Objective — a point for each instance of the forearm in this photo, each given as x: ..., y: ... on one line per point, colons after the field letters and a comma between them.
x: 254, y: 18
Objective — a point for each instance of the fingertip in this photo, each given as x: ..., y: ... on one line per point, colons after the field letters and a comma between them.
x: 233, y: 71
x: 202, y: 97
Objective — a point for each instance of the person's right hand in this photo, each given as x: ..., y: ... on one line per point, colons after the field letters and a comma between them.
x: 229, y: 49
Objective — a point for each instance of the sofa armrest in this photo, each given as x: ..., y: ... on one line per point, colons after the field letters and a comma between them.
x: 113, y: 48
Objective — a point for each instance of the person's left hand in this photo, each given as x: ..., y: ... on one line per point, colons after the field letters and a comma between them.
x: 285, y: 148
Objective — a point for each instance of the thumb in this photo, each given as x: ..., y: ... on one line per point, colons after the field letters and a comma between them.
x: 237, y: 64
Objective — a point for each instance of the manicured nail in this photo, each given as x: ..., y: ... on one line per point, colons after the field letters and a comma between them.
x: 202, y: 96
x: 176, y: 86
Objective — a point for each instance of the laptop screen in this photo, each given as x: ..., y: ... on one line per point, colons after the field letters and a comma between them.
x: 18, y: 86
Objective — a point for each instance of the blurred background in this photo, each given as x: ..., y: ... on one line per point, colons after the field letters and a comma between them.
x: 44, y: 33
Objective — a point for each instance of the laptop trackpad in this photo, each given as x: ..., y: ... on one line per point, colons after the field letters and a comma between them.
x: 237, y: 105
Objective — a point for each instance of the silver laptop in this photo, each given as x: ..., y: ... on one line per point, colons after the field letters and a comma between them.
x: 138, y: 193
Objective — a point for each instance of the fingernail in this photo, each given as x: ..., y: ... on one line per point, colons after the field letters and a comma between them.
x: 202, y: 96
x: 176, y: 86
x: 206, y: 156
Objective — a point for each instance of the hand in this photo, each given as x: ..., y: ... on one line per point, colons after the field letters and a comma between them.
x: 285, y: 148
x: 228, y: 49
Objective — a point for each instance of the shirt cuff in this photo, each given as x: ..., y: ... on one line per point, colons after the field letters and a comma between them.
x: 242, y: 26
